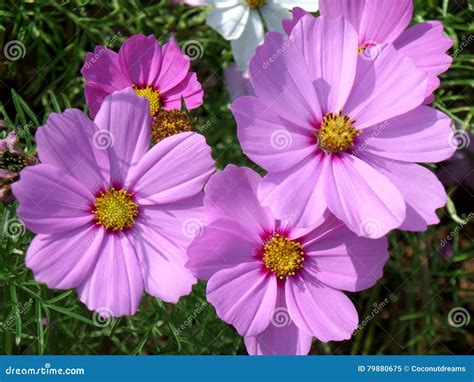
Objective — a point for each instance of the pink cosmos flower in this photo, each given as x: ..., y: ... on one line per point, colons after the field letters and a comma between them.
x: 161, y: 74
x: 337, y: 131
x: 276, y: 284
x: 379, y: 22
x: 113, y: 218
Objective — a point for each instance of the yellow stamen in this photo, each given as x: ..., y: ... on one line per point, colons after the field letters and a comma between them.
x: 153, y: 97
x: 337, y: 133
x: 256, y: 3
x: 283, y: 256
x: 169, y: 122
x: 115, y: 209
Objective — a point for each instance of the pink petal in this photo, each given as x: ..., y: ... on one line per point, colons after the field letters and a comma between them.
x: 378, y: 21
x: 283, y: 82
x: 115, y: 285
x: 421, y: 135
x: 161, y: 242
x: 174, y: 169
x: 385, y: 87
x: 319, y: 310
x: 223, y: 244
x: 125, y: 127
x: 67, y: 143
x: 189, y: 89
x: 232, y: 194
x: 342, y: 260
x: 269, y: 140
x: 52, y: 201
x: 422, y: 202
x: 140, y: 58
x: 297, y: 14
x: 94, y: 97
x: 64, y: 261
x: 364, y: 199
x: 296, y: 194
x: 330, y: 52
x: 282, y: 336
x: 244, y: 297
x: 238, y: 82
x: 102, y: 68
x: 426, y: 44
x: 174, y: 68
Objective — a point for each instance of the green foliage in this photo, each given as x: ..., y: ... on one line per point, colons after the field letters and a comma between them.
x: 421, y: 286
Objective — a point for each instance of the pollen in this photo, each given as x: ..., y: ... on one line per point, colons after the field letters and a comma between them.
x: 115, y: 209
x: 337, y: 133
x: 169, y: 122
x: 283, y: 256
x: 153, y: 97
x: 256, y: 3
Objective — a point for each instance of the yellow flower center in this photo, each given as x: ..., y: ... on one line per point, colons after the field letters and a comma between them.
x: 153, y: 97
x: 283, y: 256
x: 115, y: 209
x: 337, y: 133
x: 256, y: 3
x: 169, y: 122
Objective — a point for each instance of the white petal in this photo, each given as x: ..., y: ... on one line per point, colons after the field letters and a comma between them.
x: 307, y: 5
x: 244, y: 47
x: 230, y: 22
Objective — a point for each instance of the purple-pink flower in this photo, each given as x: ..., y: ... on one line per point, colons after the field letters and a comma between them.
x: 159, y: 73
x: 380, y: 22
x: 337, y: 131
x: 111, y: 214
x: 276, y: 284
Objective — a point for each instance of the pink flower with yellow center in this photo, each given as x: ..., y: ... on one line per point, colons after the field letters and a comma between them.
x: 113, y: 216
x: 277, y: 284
x: 339, y: 132
x: 159, y: 73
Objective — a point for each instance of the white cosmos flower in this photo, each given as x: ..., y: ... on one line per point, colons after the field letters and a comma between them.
x: 240, y: 21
